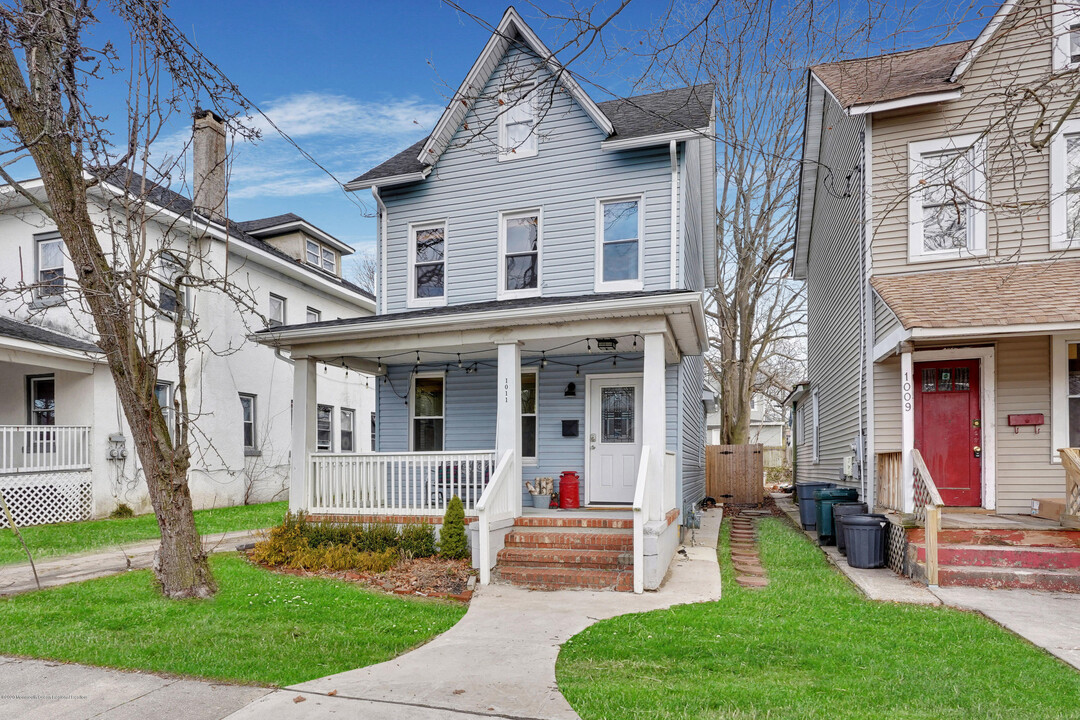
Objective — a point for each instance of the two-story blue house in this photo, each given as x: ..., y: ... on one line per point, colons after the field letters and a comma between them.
x: 542, y: 259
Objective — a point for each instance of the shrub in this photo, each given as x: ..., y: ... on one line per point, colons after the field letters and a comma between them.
x: 377, y: 537
x: 337, y: 558
x: 417, y: 541
x: 123, y: 510
x: 452, y: 542
x: 284, y: 541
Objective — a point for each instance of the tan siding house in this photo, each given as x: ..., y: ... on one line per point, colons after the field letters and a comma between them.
x: 967, y: 311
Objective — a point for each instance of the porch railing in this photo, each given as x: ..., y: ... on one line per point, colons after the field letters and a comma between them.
x: 496, y: 504
x: 419, y: 483
x: 1070, y: 460
x: 890, y: 486
x: 928, y: 504
x: 44, y: 448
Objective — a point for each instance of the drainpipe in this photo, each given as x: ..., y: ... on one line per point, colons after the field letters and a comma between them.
x: 380, y: 296
x: 673, y: 151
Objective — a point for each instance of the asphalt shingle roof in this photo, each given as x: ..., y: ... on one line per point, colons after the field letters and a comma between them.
x: 250, y: 226
x: 687, y: 108
x: 35, y: 333
x: 893, y: 76
x: 1009, y: 294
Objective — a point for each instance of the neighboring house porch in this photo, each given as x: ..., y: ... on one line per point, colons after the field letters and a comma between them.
x: 476, y: 400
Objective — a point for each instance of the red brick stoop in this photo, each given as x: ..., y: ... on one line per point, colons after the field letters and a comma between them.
x: 551, y: 553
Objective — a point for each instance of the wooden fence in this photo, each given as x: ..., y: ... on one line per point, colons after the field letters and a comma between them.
x: 735, y: 473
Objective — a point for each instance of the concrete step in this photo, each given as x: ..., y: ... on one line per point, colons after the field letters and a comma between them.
x: 1005, y: 556
x: 567, y: 578
x: 1010, y: 578
x: 562, y: 557
x: 1063, y: 538
x: 570, y: 540
x: 556, y: 521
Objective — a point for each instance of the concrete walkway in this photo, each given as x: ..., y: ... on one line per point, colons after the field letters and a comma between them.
x: 99, y: 563
x: 499, y: 660
x: 43, y: 690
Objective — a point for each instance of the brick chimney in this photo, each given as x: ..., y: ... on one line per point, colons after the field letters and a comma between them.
x: 208, y: 144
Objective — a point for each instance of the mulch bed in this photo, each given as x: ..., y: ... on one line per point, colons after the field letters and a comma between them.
x: 432, y: 577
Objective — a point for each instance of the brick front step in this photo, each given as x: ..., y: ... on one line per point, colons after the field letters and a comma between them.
x: 1010, y: 578
x: 1063, y: 538
x: 558, y: 557
x: 543, y: 521
x: 563, y: 578
x: 1005, y: 556
x: 570, y: 540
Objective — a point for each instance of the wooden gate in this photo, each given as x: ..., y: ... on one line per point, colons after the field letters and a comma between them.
x: 734, y: 473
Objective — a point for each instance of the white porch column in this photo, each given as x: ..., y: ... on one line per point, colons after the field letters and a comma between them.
x: 508, y: 417
x: 303, y: 430
x: 907, y: 426
x: 654, y: 420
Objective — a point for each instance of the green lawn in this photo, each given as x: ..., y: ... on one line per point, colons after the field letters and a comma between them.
x: 261, y: 627
x: 809, y: 646
x: 66, y: 538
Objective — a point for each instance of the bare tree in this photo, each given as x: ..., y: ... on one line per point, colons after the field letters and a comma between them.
x: 131, y: 286
x: 365, y: 270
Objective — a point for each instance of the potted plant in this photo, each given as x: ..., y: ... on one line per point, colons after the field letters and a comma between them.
x: 541, y: 491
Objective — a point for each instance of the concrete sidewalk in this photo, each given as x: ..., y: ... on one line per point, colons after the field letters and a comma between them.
x: 499, y: 660
x: 44, y: 690
x: 99, y: 563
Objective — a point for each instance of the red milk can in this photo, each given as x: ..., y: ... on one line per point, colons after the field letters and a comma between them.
x: 568, y: 490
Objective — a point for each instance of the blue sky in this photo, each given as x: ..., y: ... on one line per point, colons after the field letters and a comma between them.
x: 355, y: 82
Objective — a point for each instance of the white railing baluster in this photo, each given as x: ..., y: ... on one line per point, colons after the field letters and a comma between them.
x: 44, y: 448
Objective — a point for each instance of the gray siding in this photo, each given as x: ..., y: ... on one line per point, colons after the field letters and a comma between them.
x: 469, y: 186
x: 833, y: 298
x: 470, y: 409
x: 692, y: 419
x: 691, y: 272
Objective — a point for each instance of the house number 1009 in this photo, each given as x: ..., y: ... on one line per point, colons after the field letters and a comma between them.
x: 907, y: 392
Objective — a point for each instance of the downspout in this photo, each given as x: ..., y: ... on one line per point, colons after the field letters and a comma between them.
x: 869, y: 457
x: 380, y: 294
x: 673, y: 151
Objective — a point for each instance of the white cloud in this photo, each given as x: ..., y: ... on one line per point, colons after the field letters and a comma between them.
x: 314, y: 114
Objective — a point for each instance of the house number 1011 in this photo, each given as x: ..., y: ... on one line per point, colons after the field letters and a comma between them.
x: 506, y: 389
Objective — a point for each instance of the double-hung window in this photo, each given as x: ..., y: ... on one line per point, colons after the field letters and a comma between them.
x: 1065, y: 382
x: 163, y: 391
x: 427, y: 264
x: 321, y: 256
x: 517, y: 122
x: 172, y: 298
x: 348, y: 429
x: 324, y: 428
x: 427, y: 406
x: 1065, y: 187
x: 247, y: 405
x: 50, y: 266
x: 42, y: 395
x: 519, y: 254
x: 1066, y: 53
x: 313, y: 315
x: 528, y: 416
x: 946, y: 198
x: 618, y: 244
x: 276, y: 316
x: 374, y: 432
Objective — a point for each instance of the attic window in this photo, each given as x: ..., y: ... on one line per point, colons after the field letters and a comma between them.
x: 517, y: 122
x: 321, y: 256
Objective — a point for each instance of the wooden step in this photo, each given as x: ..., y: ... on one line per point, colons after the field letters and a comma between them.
x: 561, y: 557
x: 1062, y: 538
x: 541, y: 538
x: 1010, y: 578
x: 555, y: 521
x: 1005, y: 556
x: 567, y: 578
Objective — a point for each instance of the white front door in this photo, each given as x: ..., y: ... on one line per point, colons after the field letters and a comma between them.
x: 613, y: 441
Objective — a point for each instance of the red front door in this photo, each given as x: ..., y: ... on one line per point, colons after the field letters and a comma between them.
x: 948, y: 428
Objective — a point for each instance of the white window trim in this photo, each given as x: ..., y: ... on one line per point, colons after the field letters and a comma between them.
x: 351, y: 429
x: 254, y: 421
x: 525, y: 459
x: 312, y: 311
x: 1059, y: 392
x: 977, y: 227
x: 1059, y: 222
x: 412, y: 301
x: 817, y: 423
x: 412, y: 407
x: 39, y: 241
x: 333, y: 428
x: 528, y: 89
x: 308, y: 243
x: 284, y: 310
x: 1065, y: 16
x: 598, y: 261
x: 504, y: 215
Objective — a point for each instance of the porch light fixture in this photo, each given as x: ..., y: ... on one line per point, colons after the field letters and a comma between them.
x: 606, y: 344
x: 380, y: 366
x: 571, y: 390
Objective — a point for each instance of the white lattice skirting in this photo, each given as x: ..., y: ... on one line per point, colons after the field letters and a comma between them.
x: 48, y: 497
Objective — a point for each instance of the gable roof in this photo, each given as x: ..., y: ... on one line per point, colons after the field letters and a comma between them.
x: 287, y: 223
x: 984, y: 296
x: 983, y: 39
x: 35, y: 333
x: 896, y: 76
x: 510, y: 27
x: 685, y: 109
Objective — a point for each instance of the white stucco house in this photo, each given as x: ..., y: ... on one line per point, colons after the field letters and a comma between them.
x: 767, y: 424
x: 65, y: 449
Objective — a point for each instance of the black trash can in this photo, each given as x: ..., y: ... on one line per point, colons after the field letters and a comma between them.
x: 865, y: 538
x: 807, y: 509
x: 839, y: 510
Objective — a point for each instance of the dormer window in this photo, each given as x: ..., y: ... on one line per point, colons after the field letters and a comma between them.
x: 321, y: 256
x: 517, y: 122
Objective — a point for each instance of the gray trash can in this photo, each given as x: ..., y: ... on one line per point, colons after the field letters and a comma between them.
x: 839, y: 510
x: 865, y: 538
x: 807, y: 509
